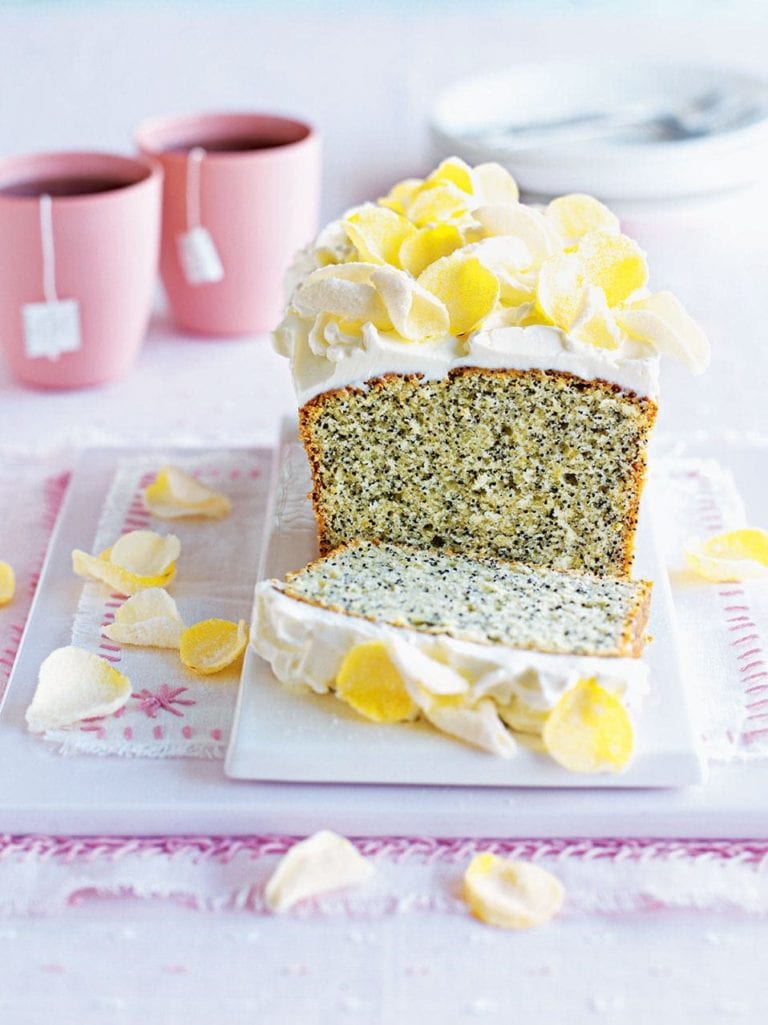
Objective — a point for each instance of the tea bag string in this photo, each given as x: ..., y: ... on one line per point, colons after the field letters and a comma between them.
x: 194, y: 160
x: 47, y: 245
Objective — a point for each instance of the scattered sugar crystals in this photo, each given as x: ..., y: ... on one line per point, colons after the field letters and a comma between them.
x: 138, y: 559
x: 734, y: 555
x: 7, y: 583
x: 150, y: 618
x: 511, y: 894
x: 72, y: 685
x: 174, y: 494
x: 589, y: 730
x: 212, y: 645
x: 320, y: 864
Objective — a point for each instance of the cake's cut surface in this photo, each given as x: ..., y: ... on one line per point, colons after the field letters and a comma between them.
x: 536, y: 467
x: 484, y: 601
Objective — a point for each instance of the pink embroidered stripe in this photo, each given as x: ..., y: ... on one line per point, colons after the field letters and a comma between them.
x: 398, y: 849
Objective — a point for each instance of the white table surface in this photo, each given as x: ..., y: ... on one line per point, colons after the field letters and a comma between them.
x: 82, y: 75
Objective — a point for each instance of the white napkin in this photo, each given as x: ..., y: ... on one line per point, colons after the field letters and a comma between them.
x: 173, y: 711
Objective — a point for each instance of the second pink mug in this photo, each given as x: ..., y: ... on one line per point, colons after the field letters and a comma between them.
x: 241, y: 196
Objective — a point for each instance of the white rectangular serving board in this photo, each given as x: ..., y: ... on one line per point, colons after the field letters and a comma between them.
x: 284, y: 735
x: 42, y: 792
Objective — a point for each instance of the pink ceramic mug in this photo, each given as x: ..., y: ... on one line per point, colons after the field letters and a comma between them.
x: 79, y: 239
x: 241, y: 196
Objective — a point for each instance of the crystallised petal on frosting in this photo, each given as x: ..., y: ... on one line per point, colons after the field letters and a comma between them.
x: 7, y: 583
x: 378, y: 233
x: 320, y: 864
x: 576, y: 215
x: 401, y: 194
x: 442, y: 201
x: 467, y: 288
x: 150, y: 618
x: 478, y: 725
x: 174, y: 494
x: 560, y: 290
x: 494, y: 184
x: 73, y: 685
x: 511, y: 894
x: 345, y: 291
x: 212, y: 645
x: 455, y: 171
x: 661, y: 321
x: 521, y: 222
x: 735, y: 555
x: 595, y: 323
x: 369, y: 682
x: 615, y: 263
x: 421, y: 249
x: 589, y: 730
x: 416, y: 313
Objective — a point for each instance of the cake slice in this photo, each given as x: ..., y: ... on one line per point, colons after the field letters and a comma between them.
x: 480, y: 375
x: 479, y: 647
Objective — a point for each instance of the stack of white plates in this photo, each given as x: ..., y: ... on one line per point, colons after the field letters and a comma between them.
x: 630, y: 134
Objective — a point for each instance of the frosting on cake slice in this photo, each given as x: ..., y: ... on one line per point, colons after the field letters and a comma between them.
x: 483, y: 649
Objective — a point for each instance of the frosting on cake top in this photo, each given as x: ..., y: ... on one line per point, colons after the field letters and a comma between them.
x: 453, y: 270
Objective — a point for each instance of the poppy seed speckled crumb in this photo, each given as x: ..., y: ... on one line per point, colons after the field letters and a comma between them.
x: 539, y: 467
x: 480, y: 600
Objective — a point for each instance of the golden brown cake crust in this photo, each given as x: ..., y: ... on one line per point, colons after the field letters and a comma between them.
x: 645, y: 410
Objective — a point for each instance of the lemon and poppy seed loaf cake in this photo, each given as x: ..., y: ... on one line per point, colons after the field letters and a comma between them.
x: 479, y: 647
x: 480, y: 375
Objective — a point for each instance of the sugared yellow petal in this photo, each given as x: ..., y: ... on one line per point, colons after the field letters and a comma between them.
x: 576, y: 215
x: 345, y: 291
x: 614, y: 263
x: 595, y: 323
x: 378, y: 233
x: 212, y: 645
x: 560, y: 290
x: 437, y: 203
x: 145, y: 553
x: 7, y: 583
x: 150, y: 618
x: 454, y: 171
x: 660, y: 320
x: 416, y: 313
x: 72, y: 685
x: 401, y: 194
x: 494, y: 184
x: 102, y: 570
x: 735, y: 555
x: 174, y: 494
x: 467, y: 288
x: 418, y: 251
x: 523, y: 222
x: 511, y: 894
x: 589, y: 730
x: 370, y: 683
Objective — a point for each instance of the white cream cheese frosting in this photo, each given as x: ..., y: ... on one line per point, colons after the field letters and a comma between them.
x: 536, y: 347
x: 476, y: 692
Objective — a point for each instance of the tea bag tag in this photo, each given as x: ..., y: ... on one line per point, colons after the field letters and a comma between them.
x: 199, y: 258
x: 51, y: 327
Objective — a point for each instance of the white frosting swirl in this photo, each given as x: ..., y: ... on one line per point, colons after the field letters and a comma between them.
x: 323, y: 358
